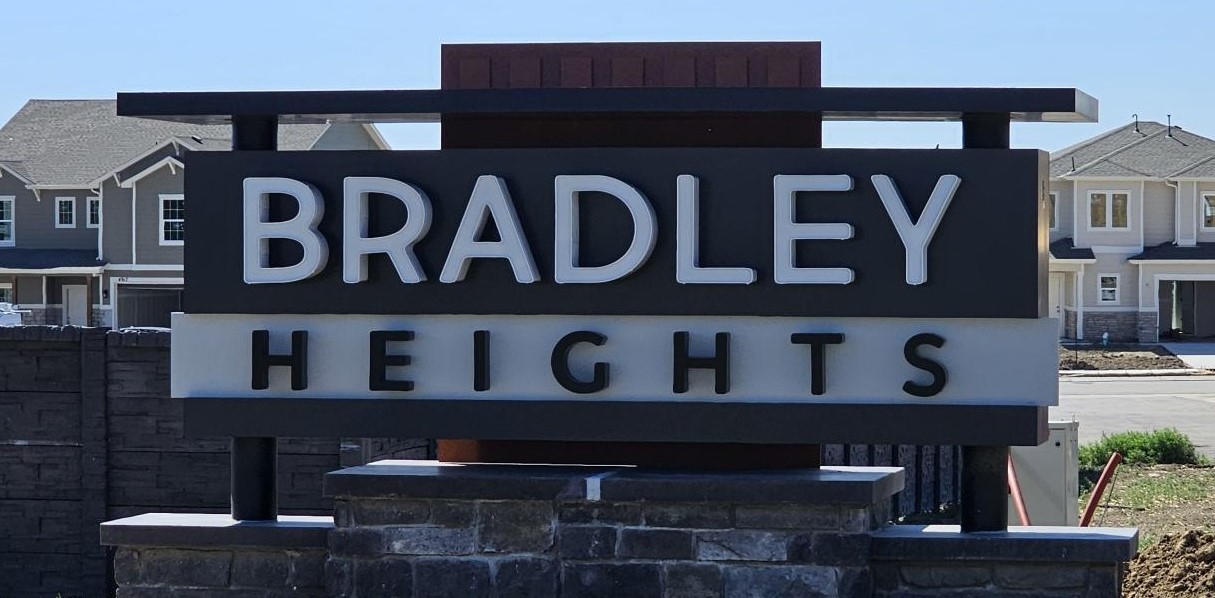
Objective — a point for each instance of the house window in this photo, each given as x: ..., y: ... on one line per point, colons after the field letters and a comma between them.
x: 1109, y: 209
x: 6, y: 221
x: 65, y: 212
x: 93, y: 219
x: 6, y: 292
x: 172, y: 219
x: 1107, y: 288
x: 1054, y: 210
x: 1208, y: 210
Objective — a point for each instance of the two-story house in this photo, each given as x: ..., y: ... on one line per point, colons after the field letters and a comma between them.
x: 1133, y: 235
x: 92, y: 210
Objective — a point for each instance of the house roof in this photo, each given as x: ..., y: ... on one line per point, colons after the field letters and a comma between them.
x: 42, y: 259
x: 1146, y: 149
x: 1064, y: 249
x: 1170, y: 251
x: 76, y: 142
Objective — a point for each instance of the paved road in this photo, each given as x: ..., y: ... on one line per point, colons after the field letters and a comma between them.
x: 1108, y: 405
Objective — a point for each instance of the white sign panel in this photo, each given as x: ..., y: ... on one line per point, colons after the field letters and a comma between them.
x: 618, y: 358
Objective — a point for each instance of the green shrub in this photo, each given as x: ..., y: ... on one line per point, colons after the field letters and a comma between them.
x: 1142, y: 448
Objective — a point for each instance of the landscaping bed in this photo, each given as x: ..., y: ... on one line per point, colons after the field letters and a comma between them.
x: 1174, y: 508
x: 1117, y: 357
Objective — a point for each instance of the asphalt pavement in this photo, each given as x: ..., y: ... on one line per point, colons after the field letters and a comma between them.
x: 1109, y: 405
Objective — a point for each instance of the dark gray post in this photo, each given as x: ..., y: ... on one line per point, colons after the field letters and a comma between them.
x: 254, y: 459
x: 984, y: 492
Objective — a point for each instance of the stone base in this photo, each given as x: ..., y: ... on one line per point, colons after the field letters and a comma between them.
x: 176, y: 554
x: 1123, y: 326
x: 915, y: 561
x: 425, y: 528
x: 1069, y: 323
x: 1148, y: 327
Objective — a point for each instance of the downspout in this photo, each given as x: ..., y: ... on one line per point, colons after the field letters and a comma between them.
x: 134, y: 194
x: 100, y: 217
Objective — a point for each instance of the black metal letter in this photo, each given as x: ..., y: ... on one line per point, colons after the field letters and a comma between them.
x: 561, y: 363
x: 481, y: 360
x: 377, y: 376
x: 818, y: 355
x: 719, y: 363
x: 936, y: 369
x: 297, y: 360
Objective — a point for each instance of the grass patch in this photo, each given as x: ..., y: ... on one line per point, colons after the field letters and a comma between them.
x: 1158, y: 499
x: 1158, y: 447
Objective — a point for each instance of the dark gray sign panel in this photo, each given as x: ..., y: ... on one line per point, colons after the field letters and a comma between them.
x: 769, y: 232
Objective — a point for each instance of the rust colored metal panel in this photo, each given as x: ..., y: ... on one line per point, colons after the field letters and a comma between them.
x: 730, y: 71
x: 656, y: 455
x: 575, y: 71
x: 628, y: 71
x: 675, y: 64
x: 526, y: 66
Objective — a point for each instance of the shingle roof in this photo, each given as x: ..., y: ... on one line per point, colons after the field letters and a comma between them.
x: 75, y: 142
x: 39, y: 259
x: 1149, y: 149
x: 1170, y: 251
x: 1065, y: 249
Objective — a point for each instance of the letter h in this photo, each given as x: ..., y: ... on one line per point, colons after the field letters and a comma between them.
x: 263, y: 360
x: 719, y: 363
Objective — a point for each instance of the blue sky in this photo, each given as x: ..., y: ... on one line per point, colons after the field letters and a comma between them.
x: 1150, y: 58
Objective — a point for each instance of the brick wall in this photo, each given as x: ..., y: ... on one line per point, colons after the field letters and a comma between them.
x: 1148, y: 328
x: 88, y: 433
x: 1123, y: 326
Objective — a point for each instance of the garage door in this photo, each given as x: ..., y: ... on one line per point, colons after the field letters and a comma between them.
x: 147, y: 305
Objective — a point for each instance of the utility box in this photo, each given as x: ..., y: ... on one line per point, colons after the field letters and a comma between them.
x: 1049, y: 477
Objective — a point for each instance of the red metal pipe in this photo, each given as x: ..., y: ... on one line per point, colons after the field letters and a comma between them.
x: 1099, y: 489
x: 1014, y: 487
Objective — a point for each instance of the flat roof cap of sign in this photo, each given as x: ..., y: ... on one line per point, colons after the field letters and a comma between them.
x: 1028, y: 104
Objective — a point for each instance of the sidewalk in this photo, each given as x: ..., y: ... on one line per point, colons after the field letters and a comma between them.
x: 1131, y: 373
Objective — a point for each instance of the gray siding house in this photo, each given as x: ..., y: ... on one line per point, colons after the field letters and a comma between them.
x: 93, y: 212
x: 1133, y: 235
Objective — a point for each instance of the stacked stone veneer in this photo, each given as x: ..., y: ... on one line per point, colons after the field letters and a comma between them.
x: 670, y: 535
x: 1069, y: 323
x: 422, y: 529
x: 1123, y: 326
x: 1148, y: 327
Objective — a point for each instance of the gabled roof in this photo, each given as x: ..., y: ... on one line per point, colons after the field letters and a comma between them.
x: 1146, y: 149
x: 76, y: 142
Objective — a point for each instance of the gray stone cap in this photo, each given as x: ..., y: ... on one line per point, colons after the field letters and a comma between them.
x: 1033, y: 543
x: 198, y: 530
x: 432, y: 479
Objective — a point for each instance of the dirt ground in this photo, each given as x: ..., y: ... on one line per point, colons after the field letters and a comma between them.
x: 1174, y: 508
x: 1117, y: 357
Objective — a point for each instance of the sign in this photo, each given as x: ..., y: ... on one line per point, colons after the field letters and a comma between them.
x: 649, y: 282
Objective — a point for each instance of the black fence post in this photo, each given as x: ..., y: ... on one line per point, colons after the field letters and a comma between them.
x: 254, y: 459
x: 984, y: 491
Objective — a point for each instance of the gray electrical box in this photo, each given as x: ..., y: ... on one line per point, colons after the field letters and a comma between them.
x: 1049, y: 478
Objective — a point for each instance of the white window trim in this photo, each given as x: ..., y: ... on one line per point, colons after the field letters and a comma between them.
x: 160, y: 229
x: 1202, y: 210
x: 12, y: 199
x: 1109, y: 210
x: 1054, y: 205
x: 1117, y: 289
x: 59, y: 201
x: 12, y: 291
x: 88, y: 212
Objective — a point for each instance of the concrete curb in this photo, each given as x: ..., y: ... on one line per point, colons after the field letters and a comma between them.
x: 1131, y: 373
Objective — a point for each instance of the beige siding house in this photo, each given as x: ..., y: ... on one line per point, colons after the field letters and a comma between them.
x: 93, y: 213
x: 1133, y: 235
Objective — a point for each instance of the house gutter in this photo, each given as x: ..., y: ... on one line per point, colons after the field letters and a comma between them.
x: 134, y: 194
x: 1176, y: 209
